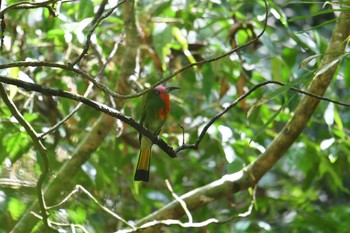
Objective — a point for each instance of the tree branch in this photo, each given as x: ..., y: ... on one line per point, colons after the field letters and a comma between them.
x: 88, y: 90
x: 144, y: 131
x: 91, y: 103
x: 38, y: 146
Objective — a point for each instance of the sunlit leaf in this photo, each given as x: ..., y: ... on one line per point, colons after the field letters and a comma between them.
x: 329, y: 65
x: 77, y: 215
x: 13, y: 73
x: 16, y: 208
x: 15, y: 143
x: 279, y: 14
x: 329, y: 114
x: 338, y: 120
x: 30, y: 116
x: 184, y: 43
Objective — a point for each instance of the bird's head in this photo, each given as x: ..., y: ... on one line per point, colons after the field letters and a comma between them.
x: 158, y: 98
x: 164, y: 90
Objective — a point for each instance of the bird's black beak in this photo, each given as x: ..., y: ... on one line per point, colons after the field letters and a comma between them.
x: 169, y: 89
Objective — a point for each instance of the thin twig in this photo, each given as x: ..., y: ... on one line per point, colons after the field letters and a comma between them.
x: 109, y: 58
x: 183, y: 134
x: 62, y: 224
x: 96, y: 22
x: 63, y: 67
x: 252, y: 202
x: 39, y: 147
x: 65, y: 199
x: 178, y: 199
x: 31, y: 5
x: 88, y: 90
x: 81, y: 188
x: 61, y: 122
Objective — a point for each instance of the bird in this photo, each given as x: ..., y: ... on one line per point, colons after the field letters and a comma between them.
x: 155, y: 110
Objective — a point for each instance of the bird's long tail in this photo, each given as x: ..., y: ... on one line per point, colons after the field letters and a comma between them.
x: 142, y: 169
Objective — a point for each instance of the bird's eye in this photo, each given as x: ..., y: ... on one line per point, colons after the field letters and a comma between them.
x: 157, y: 92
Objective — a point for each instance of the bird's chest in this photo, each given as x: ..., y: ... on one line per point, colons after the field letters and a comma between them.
x: 163, y: 113
x: 155, y: 114
x: 154, y: 124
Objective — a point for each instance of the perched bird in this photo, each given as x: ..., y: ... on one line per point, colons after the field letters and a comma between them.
x: 155, y: 109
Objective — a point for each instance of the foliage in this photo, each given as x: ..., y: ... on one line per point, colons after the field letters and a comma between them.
x: 304, y: 192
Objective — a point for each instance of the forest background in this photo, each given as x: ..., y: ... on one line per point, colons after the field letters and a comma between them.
x: 259, y: 128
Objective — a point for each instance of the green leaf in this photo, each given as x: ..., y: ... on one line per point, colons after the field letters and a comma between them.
x: 208, y: 79
x: 327, y: 168
x: 329, y: 65
x: 30, y: 116
x: 15, y: 143
x: 162, y: 38
x: 286, y: 87
x: 338, y: 120
x: 277, y: 11
x: 307, y: 16
x: 289, y: 55
x: 346, y: 64
x: 279, y: 69
x: 86, y: 9
x: 77, y: 215
x: 321, y: 25
x: 180, y: 38
x: 184, y: 44
x: 236, y: 165
x: 16, y: 208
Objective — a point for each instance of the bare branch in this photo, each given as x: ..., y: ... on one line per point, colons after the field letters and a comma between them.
x: 63, y: 67
x: 156, y: 140
x: 81, y: 188
x: 61, y: 122
x: 30, y: 5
